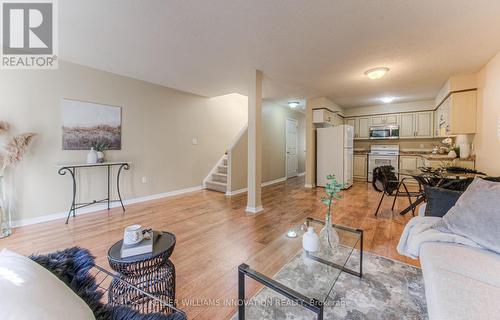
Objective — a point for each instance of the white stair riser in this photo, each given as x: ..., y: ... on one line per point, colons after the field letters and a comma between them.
x: 222, y: 169
x: 216, y: 187
x: 219, y: 178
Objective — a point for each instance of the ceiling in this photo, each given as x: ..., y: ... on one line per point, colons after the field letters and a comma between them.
x: 305, y: 48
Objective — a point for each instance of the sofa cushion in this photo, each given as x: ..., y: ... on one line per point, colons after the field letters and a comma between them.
x: 29, y: 291
x: 440, y: 200
x: 476, y: 215
x: 460, y: 282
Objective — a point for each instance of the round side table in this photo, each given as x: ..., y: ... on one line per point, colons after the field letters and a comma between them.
x: 153, y: 273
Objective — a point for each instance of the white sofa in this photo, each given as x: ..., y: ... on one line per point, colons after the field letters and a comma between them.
x: 460, y: 282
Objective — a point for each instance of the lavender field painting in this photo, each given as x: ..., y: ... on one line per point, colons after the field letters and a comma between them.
x: 85, y: 124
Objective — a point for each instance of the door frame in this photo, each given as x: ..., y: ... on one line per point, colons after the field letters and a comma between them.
x: 296, y: 144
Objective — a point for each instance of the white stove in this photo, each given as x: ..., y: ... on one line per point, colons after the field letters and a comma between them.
x: 382, y: 155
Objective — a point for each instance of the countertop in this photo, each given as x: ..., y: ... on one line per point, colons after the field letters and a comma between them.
x: 426, y: 154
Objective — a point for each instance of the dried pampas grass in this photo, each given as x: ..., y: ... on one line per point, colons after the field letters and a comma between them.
x: 17, y: 147
x: 4, y: 127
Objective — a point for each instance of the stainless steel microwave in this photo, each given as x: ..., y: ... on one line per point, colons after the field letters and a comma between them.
x: 384, y: 132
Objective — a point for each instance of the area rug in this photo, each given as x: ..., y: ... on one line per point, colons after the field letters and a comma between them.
x: 388, y: 290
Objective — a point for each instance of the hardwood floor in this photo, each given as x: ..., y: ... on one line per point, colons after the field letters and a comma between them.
x: 214, y: 235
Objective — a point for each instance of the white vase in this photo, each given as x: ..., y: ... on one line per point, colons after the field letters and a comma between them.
x: 452, y: 154
x: 310, y: 240
x: 328, y: 236
x: 92, y: 156
x: 464, y: 150
x: 100, y: 156
x: 5, y: 212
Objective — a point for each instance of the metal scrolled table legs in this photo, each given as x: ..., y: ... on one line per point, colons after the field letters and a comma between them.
x: 125, y: 166
x: 63, y: 172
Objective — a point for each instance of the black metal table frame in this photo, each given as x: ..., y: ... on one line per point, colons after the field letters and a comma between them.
x: 313, y: 304
x: 72, y: 171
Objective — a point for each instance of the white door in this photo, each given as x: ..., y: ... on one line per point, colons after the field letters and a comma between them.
x: 292, y: 160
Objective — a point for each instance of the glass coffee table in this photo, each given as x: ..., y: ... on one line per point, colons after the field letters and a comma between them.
x: 307, y: 279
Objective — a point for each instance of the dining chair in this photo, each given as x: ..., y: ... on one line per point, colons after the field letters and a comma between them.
x: 385, y: 177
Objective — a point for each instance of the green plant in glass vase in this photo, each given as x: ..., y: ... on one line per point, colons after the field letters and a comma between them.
x: 328, y: 235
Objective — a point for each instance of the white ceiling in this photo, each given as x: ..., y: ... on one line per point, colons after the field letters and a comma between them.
x: 305, y: 48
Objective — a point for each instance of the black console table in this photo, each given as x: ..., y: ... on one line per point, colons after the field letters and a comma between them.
x: 72, y: 169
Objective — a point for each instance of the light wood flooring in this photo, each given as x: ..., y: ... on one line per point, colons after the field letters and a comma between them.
x: 214, y: 235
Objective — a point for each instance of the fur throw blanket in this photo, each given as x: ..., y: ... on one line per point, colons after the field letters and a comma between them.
x: 72, y: 267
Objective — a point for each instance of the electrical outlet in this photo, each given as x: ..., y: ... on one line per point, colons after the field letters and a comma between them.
x: 144, y: 179
x: 194, y: 141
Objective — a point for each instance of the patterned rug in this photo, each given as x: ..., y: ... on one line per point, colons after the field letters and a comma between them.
x: 388, y: 290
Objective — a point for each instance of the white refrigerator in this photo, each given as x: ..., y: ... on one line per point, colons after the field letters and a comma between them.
x: 334, y: 154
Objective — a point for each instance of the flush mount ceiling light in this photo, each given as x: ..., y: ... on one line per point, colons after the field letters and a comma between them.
x: 387, y: 99
x: 293, y: 104
x: 376, y: 73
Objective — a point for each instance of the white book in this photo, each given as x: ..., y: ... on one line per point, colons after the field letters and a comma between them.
x: 143, y: 247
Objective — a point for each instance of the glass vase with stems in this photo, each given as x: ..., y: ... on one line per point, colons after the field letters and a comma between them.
x: 329, y: 237
x: 5, y: 217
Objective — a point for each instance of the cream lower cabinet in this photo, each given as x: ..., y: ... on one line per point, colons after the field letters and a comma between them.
x: 410, y: 163
x: 360, y: 169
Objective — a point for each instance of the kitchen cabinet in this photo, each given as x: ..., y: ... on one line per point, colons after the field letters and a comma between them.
x: 384, y: 119
x: 424, y: 124
x: 436, y: 163
x: 407, y: 126
x: 364, y: 128
x: 361, y: 127
x: 410, y: 162
x: 324, y: 116
x: 457, y: 114
x: 360, y: 167
x: 416, y: 125
x: 412, y: 125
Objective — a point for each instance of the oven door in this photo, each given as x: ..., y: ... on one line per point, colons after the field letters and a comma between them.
x: 380, y: 160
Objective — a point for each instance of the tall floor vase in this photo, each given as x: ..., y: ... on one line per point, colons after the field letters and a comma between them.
x: 5, y: 216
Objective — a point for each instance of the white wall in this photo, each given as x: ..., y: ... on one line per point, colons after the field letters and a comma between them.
x: 487, y: 140
x: 158, y: 125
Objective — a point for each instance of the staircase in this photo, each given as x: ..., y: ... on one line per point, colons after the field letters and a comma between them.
x: 217, y: 179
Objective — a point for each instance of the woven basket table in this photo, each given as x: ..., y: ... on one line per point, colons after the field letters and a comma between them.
x: 153, y: 273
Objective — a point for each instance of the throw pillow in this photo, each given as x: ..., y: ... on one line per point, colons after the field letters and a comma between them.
x: 476, y: 215
x: 440, y: 200
x: 29, y: 291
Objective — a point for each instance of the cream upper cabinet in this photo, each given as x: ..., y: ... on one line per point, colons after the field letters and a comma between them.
x: 424, y: 124
x: 384, y: 119
x: 457, y: 114
x: 352, y: 122
x: 377, y: 120
x: 407, y: 126
x: 337, y: 120
x: 360, y: 167
x: 391, y: 119
x: 361, y: 127
x: 364, y: 125
x: 323, y: 116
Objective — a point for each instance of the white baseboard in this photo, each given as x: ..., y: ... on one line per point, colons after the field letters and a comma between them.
x: 100, y: 207
x: 309, y: 186
x: 254, y: 210
x: 301, y: 174
x: 264, y: 184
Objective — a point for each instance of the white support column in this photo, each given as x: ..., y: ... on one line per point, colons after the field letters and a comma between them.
x: 254, y: 202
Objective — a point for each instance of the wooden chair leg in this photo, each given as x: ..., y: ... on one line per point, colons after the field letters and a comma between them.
x: 380, y: 203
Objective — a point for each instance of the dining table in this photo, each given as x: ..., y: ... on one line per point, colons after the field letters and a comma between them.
x: 433, y: 178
